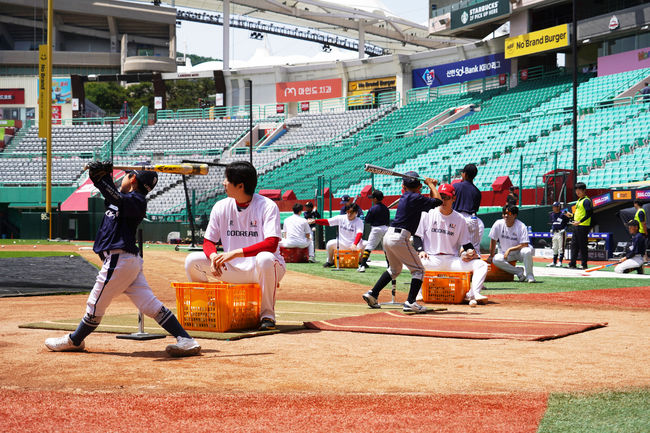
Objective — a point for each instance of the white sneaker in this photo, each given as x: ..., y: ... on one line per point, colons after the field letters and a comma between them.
x: 63, y: 344
x: 530, y: 279
x: 481, y: 299
x: 414, y: 307
x: 551, y: 265
x: 419, y: 297
x: 371, y: 300
x: 361, y: 268
x: 184, y: 347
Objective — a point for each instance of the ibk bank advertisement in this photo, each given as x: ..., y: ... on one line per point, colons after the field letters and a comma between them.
x: 459, y: 72
x: 296, y: 91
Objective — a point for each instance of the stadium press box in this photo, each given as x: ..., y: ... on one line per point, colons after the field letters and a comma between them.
x: 441, y: 287
x: 217, y: 307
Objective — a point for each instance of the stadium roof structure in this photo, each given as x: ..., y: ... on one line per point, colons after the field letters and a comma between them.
x: 361, y: 19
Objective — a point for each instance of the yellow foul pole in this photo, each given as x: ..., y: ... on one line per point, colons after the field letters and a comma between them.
x: 45, y: 109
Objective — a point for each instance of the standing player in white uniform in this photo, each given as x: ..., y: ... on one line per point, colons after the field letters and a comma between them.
x: 296, y: 233
x: 378, y: 217
x: 441, y: 235
x: 248, y: 226
x: 512, y: 236
x: 349, y: 235
x: 122, y: 268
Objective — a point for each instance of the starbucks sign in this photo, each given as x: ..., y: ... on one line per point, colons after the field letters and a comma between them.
x: 479, y: 12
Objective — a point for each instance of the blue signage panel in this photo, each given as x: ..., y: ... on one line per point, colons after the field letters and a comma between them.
x: 459, y: 72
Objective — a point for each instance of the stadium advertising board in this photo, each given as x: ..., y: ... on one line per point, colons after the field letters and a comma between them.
x: 602, y: 200
x: 536, y: 42
x: 622, y: 195
x: 308, y: 90
x: 643, y: 195
x: 361, y: 92
x: 12, y: 96
x: 61, y: 90
x: 479, y: 12
x: 458, y: 72
x: 623, y: 62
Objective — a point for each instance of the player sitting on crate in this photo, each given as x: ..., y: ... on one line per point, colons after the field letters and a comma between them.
x: 349, y: 235
x: 633, y: 258
x: 297, y: 233
x: 439, y: 239
x: 248, y: 226
x: 512, y: 236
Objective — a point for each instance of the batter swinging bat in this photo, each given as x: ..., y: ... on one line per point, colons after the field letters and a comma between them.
x: 380, y: 170
x: 166, y: 168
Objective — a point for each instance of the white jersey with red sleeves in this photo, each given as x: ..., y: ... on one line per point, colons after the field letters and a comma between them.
x: 442, y: 234
x: 347, y: 229
x: 238, y: 229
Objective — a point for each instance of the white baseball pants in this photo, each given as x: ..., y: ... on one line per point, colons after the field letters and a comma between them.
x: 264, y: 269
x: 297, y: 243
x: 400, y: 252
x: 122, y: 273
x: 524, y: 255
x: 631, y: 263
x: 331, y: 248
x: 376, y: 235
x: 557, y: 242
x: 456, y: 264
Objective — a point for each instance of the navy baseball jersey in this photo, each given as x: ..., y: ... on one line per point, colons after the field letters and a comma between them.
x: 410, y: 208
x: 468, y: 197
x: 378, y: 215
x: 123, y: 214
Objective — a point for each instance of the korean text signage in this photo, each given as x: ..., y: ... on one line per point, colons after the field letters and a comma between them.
x: 12, y: 96
x: 535, y: 42
x: 308, y: 90
x: 458, y: 72
x: 479, y: 12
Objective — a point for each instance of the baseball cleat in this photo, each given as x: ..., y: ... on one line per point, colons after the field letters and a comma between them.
x: 371, y: 300
x: 531, y: 279
x: 361, y: 268
x: 413, y: 307
x: 63, y: 344
x: 328, y: 265
x: 521, y: 277
x: 551, y: 265
x: 267, y: 324
x: 184, y: 347
x: 481, y: 299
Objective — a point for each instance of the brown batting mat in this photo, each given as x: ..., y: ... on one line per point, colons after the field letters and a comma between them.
x: 432, y: 325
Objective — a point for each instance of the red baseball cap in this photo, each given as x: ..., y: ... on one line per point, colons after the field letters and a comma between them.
x: 447, y: 190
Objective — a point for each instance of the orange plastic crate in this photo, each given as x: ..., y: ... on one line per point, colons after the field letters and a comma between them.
x: 349, y: 258
x: 441, y: 287
x: 217, y: 307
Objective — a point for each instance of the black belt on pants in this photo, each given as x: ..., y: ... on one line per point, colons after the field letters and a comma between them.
x: 397, y: 230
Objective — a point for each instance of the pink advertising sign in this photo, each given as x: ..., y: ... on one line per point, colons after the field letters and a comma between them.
x: 623, y: 62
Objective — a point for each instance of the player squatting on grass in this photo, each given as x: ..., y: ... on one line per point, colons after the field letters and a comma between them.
x: 121, y: 271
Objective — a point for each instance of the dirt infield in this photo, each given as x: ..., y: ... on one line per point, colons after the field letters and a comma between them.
x: 318, y: 365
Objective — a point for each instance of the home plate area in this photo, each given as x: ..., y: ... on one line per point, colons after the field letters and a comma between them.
x: 432, y: 325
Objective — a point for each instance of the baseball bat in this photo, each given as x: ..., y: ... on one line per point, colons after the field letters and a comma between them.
x: 597, y: 268
x: 166, y: 168
x: 380, y: 170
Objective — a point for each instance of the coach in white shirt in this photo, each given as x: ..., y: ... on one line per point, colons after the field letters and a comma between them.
x: 512, y: 236
x: 296, y: 233
x: 441, y: 236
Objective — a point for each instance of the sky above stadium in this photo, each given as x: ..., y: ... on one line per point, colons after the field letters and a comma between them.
x: 206, y: 40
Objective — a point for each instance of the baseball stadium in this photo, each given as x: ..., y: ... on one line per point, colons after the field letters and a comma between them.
x: 429, y: 221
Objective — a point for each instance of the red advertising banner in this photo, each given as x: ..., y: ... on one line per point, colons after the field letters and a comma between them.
x: 279, y: 108
x: 304, y: 106
x: 308, y: 90
x: 12, y: 96
x: 56, y: 114
x: 524, y: 74
x: 502, y: 79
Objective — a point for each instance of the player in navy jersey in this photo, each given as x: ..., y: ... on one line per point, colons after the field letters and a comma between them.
x: 468, y: 201
x: 397, y: 240
x: 122, y: 268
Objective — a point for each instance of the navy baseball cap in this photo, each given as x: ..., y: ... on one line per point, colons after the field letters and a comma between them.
x: 147, y: 180
x: 345, y: 199
x: 412, y: 180
x: 557, y: 203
